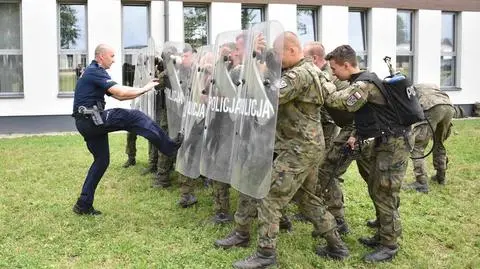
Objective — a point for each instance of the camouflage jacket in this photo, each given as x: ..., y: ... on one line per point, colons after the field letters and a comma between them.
x: 299, y: 130
x: 340, y: 118
x: 430, y: 95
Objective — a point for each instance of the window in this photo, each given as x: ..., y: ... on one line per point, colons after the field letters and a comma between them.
x: 72, y: 54
x: 11, y: 59
x: 405, y: 43
x: 252, y: 15
x: 195, y: 20
x: 357, y: 35
x: 448, y: 60
x: 135, y: 33
x: 306, y: 24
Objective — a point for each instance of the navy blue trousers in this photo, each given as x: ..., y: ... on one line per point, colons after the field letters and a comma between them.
x: 96, y: 138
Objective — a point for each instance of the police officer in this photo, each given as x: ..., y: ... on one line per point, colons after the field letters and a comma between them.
x: 94, y: 123
x: 439, y: 111
x: 374, y: 119
x: 299, y: 141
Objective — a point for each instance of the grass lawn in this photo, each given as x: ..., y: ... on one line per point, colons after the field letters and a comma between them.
x: 143, y: 227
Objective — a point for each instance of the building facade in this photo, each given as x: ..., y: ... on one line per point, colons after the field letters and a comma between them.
x: 46, y: 43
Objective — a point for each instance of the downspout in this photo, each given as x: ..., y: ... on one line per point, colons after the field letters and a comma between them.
x: 167, y: 15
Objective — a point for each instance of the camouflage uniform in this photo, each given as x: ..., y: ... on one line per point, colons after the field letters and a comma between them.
x: 389, y: 159
x: 299, y: 145
x: 439, y: 112
x: 131, y: 148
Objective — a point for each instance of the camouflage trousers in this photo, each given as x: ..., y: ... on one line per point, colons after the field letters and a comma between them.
x: 285, y: 183
x: 389, y: 163
x: 440, y: 118
x: 131, y: 147
x: 334, y: 165
x: 221, y: 197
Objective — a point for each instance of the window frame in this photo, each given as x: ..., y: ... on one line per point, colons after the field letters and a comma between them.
x: 408, y: 53
x: 60, y: 51
x: 207, y: 23
x: 262, y: 8
x: 454, y: 53
x: 316, y: 10
x: 364, y: 17
x: 133, y: 51
x: 19, y: 51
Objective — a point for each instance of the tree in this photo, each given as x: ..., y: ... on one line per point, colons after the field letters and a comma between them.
x: 69, y: 30
x: 195, y: 26
x: 401, y: 31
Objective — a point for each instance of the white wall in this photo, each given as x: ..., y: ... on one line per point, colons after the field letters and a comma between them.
x: 157, y: 19
x: 333, y: 25
x: 284, y: 13
x: 175, y: 20
x: 382, y: 38
x: 428, y: 26
x: 224, y: 17
x: 469, y: 57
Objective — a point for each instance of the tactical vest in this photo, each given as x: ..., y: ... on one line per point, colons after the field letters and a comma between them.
x: 375, y: 120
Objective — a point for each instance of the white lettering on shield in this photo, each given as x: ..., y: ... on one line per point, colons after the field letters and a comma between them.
x: 241, y: 106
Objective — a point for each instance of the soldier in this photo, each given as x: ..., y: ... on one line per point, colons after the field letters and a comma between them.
x: 374, y: 119
x: 299, y: 140
x: 337, y: 160
x: 439, y: 112
x: 131, y: 150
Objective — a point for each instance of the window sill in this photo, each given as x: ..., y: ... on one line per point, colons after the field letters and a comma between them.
x: 450, y: 88
x: 11, y: 95
x: 65, y: 95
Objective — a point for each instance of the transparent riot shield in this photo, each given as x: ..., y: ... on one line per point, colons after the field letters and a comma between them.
x: 177, y: 58
x: 144, y: 72
x: 255, y: 130
x: 223, y: 106
x: 193, y: 119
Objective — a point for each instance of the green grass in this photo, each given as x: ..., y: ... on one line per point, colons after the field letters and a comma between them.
x: 142, y: 227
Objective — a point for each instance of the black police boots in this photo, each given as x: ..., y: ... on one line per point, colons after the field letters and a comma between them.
x: 371, y: 242
x: 80, y: 208
x: 439, y: 177
x: 130, y: 162
x: 262, y: 258
x: 234, y: 239
x: 335, y: 249
x: 381, y: 254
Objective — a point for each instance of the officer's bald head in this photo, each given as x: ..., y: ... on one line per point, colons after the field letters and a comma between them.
x: 288, y: 46
x: 316, y: 51
x: 104, y: 55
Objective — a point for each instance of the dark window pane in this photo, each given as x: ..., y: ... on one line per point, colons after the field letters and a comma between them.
x: 357, y: 31
x: 251, y: 16
x: 405, y: 66
x: 448, y: 32
x: 448, y: 74
x: 73, y: 27
x: 306, y: 28
x: 404, y: 30
x: 135, y: 27
x: 362, y: 61
x: 10, y: 26
x: 196, y: 26
x: 11, y: 73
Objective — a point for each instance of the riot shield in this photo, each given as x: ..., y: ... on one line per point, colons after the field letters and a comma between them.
x: 193, y: 118
x: 144, y: 72
x: 177, y: 58
x: 223, y: 108
x: 255, y: 130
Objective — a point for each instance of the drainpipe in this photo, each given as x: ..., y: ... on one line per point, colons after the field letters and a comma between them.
x: 167, y: 15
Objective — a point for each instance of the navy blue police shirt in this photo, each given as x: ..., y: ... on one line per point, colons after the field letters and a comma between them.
x: 92, y: 86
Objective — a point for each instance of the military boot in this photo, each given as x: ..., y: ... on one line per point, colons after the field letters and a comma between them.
x: 373, y: 223
x: 439, y: 177
x: 161, y: 181
x: 335, y: 249
x: 187, y: 200
x: 371, y: 242
x: 234, y: 239
x: 152, y: 168
x: 300, y: 217
x: 419, y: 187
x: 130, y: 162
x: 262, y: 258
x: 342, y: 226
x: 381, y: 254
x: 285, y: 224
x: 222, y: 218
